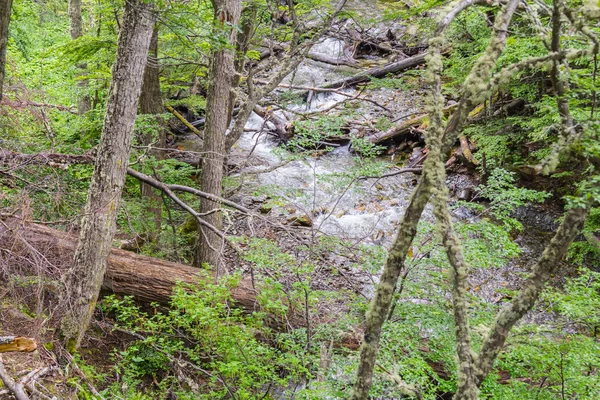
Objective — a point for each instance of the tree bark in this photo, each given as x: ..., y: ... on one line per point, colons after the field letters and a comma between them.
x: 98, y: 225
x: 5, y: 9
x: 76, y: 30
x: 248, y: 20
x: 151, y: 104
x: 222, y: 75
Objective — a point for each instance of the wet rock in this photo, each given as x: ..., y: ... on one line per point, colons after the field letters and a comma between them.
x: 465, y: 194
x: 463, y: 213
x: 261, y: 198
x: 537, y: 216
x: 462, y: 186
x: 254, y: 200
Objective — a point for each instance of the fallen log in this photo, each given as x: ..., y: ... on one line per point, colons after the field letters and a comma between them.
x: 379, y: 72
x: 405, y: 127
x: 146, y: 278
x: 332, y: 60
x: 17, y: 344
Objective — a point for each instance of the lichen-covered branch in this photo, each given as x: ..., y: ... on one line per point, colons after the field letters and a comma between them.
x: 467, y: 387
x: 546, y: 266
x: 438, y: 139
x: 474, y: 87
x: 379, y: 308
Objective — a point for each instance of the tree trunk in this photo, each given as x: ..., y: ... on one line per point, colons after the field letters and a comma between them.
x: 76, y: 30
x: 248, y: 19
x: 222, y: 75
x: 98, y: 224
x: 151, y: 104
x: 5, y: 8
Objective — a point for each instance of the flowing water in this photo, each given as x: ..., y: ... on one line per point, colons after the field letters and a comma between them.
x: 316, y: 187
x: 319, y: 189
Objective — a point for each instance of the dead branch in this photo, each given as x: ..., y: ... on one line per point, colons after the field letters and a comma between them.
x: 379, y: 72
x: 184, y: 121
x: 15, y: 388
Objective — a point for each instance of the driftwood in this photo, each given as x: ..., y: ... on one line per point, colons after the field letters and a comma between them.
x: 16, y: 388
x: 332, y: 60
x: 17, y: 344
x: 283, y: 130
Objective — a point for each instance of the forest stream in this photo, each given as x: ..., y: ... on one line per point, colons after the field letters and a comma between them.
x: 299, y: 200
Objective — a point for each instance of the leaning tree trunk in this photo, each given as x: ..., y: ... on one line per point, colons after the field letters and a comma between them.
x: 98, y: 224
x: 151, y: 104
x: 76, y: 30
x: 5, y: 8
x: 438, y: 139
x: 222, y: 75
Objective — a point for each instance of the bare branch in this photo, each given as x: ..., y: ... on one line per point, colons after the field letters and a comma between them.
x: 529, y: 293
x: 16, y: 388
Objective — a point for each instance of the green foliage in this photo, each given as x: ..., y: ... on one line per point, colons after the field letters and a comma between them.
x: 196, y: 103
x: 494, y: 145
x: 203, y: 330
x: 487, y: 244
x: 505, y: 197
x: 579, y: 301
x: 410, y: 80
x: 311, y: 132
x: 469, y: 36
x: 544, y: 365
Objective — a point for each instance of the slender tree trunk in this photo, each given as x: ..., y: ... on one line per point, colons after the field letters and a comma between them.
x: 98, y: 224
x: 151, y: 104
x: 5, y: 8
x: 248, y: 19
x: 76, y: 30
x: 222, y: 75
x: 438, y: 140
